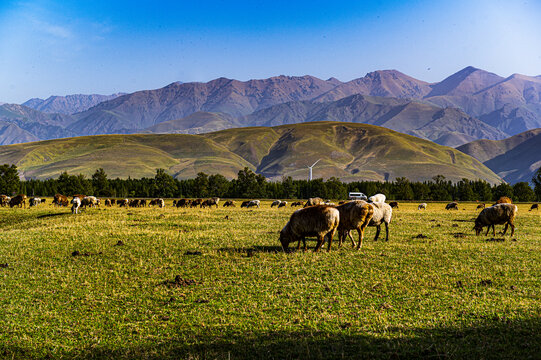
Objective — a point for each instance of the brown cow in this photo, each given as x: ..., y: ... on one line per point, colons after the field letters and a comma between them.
x: 354, y: 215
x: 18, y: 201
x: 320, y: 221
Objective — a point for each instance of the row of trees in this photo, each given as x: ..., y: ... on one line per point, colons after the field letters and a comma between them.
x: 251, y: 185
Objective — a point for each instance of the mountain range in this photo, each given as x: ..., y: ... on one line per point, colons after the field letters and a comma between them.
x: 347, y: 151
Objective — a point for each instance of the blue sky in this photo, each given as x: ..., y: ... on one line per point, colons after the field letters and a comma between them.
x: 65, y: 47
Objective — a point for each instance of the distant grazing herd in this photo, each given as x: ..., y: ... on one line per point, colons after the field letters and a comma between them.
x: 318, y: 218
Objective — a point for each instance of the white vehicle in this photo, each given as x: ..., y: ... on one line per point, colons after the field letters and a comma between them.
x: 357, y: 196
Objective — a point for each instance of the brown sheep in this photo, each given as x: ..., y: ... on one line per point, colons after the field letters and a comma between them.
x: 4, y: 200
x: 354, y: 215
x: 394, y: 204
x: 296, y: 203
x: 230, y: 203
x: 182, y: 203
x: 481, y: 206
x: 314, y: 201
x: 534, y: 207
x: 504, y: 200
x: 143, y: 203
x: 211, y: 202
x: 282, y: 204
x: 451, y: 206
x: 498, y: 214
x: 18, y: 201
x: 196, y: 202
x: 245, y: 203
x: 320, y: 221
x: 108, y: 202
x: 60, y: 200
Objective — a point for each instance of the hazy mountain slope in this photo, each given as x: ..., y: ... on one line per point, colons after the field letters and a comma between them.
x: 514, y: 120
x: 144, y: 109
x: 12, y: 134
x: 69, y: 104
x: 386, y: 83
x: 196, y: 123
x: 349, y: 151
x: 464, y: 82
x: 514, y: 159
x: 410, y: 117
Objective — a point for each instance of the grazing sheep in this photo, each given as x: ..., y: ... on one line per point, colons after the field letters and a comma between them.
x: 91, y: 201
x: 451, y: 206
x: 43, y: 201
x: 75, y: 205
x: 123, y: 202
x: 320, y: 221
x: 383, y: 213
x: 113, y: 201
x: 480, y: 206
x: 18, y: 201
x: 377, y: 198
x: 314, y: 201
x: 498, y: 214
x: 296, y: 203
x: 143, y: 203
x: 34, y: 201
x: 422, y: 206
x: 229, y: 203
x: 245, y: 203
x: 196, y: 203
x: 108, y: 202
x: 534, y: 206
x: 210, y: 202
x: 354, y: 215
x: 79, y: 196
x: 182, y: 203
x: 504, y: 200
x: 253, y: 203
x: 283, y: 204
x: 4, y: 200
x: 276, y: 203
x: 394, y: 204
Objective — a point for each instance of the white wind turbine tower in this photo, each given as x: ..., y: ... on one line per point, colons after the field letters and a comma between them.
x: 310, y: 167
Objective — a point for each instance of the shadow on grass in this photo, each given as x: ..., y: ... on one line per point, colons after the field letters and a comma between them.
x: 52, y: 215
x: 251, y: 250
x: 491, y: 339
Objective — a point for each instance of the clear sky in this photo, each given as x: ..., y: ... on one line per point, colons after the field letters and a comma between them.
x: 60, y: 47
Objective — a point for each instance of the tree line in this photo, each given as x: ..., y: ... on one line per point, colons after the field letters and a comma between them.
x: 250, y: 185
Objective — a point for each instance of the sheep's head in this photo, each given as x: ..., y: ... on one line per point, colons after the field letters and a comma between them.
x: 478, y: 228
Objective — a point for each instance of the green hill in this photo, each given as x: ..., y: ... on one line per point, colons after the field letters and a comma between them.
x: 347, y: 150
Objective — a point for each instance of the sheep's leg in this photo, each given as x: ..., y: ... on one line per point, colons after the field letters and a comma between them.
x: 512, y: 229
x: 360, y: 230
x: 386, y: 231
x: 493, y: 230
x: 505, y: 228
x: 299, y: 243
x: 488, y: 229
x: 304, y: 243
x: 378, y: 229
x: 351, y: 237
x: 320, y: 241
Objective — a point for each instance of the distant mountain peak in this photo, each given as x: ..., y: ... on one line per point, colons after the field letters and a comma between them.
x: 466, y: 81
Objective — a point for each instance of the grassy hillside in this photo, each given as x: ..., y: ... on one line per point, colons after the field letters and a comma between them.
x: 349, y: 151
x: 514, y: 159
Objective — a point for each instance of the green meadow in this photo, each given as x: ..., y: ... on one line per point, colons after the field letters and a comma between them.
x: 215, y: 284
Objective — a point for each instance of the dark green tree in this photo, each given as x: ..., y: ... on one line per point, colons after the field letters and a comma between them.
x: 9, y: 179
x: 536, y: 180
x: 523, y: 192
x: 201, y: 185
x: 100, y: 183
x: 503, y: 189
x: 163, y: 185
x: 218, y: 185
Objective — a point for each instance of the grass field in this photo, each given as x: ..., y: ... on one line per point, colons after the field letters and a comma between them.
x: 449, y: 295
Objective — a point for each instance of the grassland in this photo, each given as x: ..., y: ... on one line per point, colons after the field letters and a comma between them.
x: 449, y: 295
x: 347, y: 150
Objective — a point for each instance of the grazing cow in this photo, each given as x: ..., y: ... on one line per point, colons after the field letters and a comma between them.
x: 276, y: 203
x: 211, y: 202
x: 253, y: 203
x: 314, y: 201
x: 320, y: 221
x: 394, y: 204
x: 377, y: 198
x: 534, y: 207
x: 18, y: 201
x: 422, y: 206
x: 282, y: 204
x: 108, y: 202
x: 75, y: 205
x: 451, y: 206
x: 480, y: 206
x: 91, y: 201
x: 60, y: 200
x: 123, y: 202
x: 34, y: 201
x: 229, y: 203
x: 354, y: 215
x: 504, y: 200
x: 498, y: 214
x: 4, y: 200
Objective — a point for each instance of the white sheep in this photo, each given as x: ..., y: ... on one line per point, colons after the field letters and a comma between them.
x: 377, y: 198
x: 75, y: 205
x: 422, y: 206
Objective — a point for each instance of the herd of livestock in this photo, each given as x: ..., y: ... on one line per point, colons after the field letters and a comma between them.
x: 318, y: 218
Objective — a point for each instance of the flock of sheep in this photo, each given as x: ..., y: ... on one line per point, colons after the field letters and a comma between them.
x: 318, y: 218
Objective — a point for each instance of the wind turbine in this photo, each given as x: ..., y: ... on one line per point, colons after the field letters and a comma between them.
x: 310, y: 167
